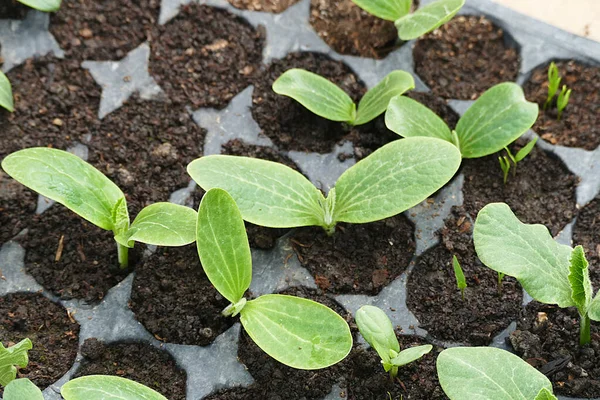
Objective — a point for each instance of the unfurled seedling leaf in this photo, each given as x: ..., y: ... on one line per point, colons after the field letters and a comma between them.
x: 72, y: 182
x: 553, y: 84
x: 12, y: 357
x: 297, y: 332
x: 488, y: 373
x: 391, y: 180
x: 105, y: 387
x: 327, y: 100
x: 521, y: 154
x: 494, y: 121
x: 376, y: 328
x: 43, y: 5
x: 390, y: 10
x: 6, y: 97
x: 22, y: 389
x: 562, y: 101
x: 461, y: 282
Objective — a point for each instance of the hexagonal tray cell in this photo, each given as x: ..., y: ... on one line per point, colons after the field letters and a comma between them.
x: 273, y: 6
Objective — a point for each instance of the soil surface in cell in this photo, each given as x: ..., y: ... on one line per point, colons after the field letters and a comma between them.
x: 12, y: 9
x: 175, y: 301
x: 52, y: 331
x: 436, y: 301
x: 358, y: 258
x: 71, y: 257
x: 547, y: 337
x: 586, y: 231
x: 205, y: 56
x: 17, y: 207
x: 139, y: 362
x: 465, y: 57
x: 579, y: 125
x: 541, y: 192
x: 273, y: 6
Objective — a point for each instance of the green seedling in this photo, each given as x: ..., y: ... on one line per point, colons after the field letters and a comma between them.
x: 102, y: 387
x: 22, y: 389
x: 553, y: 84
x: 328, y: 100
x: 494, y: 120
x: 521, y: 154
x: 488, y: 373
x: 376, y: 328
x: 42, y: 5
x: 297, y: 332
x: 550, y: 272
x: 388, y: 182
x: 411, y: 26
x: 562, y: 101
x: 461, y: 282
x: 11, y: 358
x: 72, y: 182
x: 6, y: 97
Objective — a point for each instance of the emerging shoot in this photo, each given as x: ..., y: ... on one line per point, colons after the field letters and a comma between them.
x: 11, y: 358
x: 562, y: 101
x: 521, y: 154
x: 6, y: 97
x: 553, y: 84
x: 461, y: 282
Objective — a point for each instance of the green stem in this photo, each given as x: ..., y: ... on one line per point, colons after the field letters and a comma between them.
x: 584, y: 330
x: 123, y: 253
x: 330, y: 229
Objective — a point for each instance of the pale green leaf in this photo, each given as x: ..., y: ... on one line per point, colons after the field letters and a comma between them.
x: 461, y: 282
x: 43, y: 5
x: 579, y: 278
x: 6, y: 97
x: 389, y: 10
x: 67, y: 179
x: 425, y: 19
x: 526, y: 252
x: 524, y: 152
x: 297, y: 332
x: 376, y: 328
x: 496, y: 119
x: 411, y: 354
x: 223, y: 245
x: 22, y: 389
x: 594, y: 308
x: 409, y: 118
x: 376, y: 100
x: 9, y: 357
x: 317, y: 94
x: 267, y: 193
x: 394, y: 178
x: 105, y: 387
x: 488, y: 373
x: 545, y: 394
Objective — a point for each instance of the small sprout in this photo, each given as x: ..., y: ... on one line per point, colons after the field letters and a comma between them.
x: 521, y: 154
x: 461, y: 282
x: 500, y: 279
x: 11, y: 358
x: 553, y: 84
x: 376, y: 328
x: 563, y: 100
x: 43, y: 5
x: 23, y: 389
x: 101, y: 387
x: 327, y: 100
x: 505, y: 166
x: 6, y: 97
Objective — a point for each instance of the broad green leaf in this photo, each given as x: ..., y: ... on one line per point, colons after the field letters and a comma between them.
x: 105, y: 387
x: 389, y: 10
x: 6, y: 97
x: 526, y: 252
x: 67, y: 179
x: 411, y: 354
x: 267, y: 193
x: 425, y: 19
x: 376, y: 328
x: 394, y: 178
x: 488, y: 373
x: 316, y: 93
x: 297, y: 332
x: 409, y: 118
x: 594, y: 308
x: 496, y: 119
x: 223, y: 245
x: 22, y: 389
x: 579, y: 278
x: 43, y: 5
x: 376, y: 100
x: 545, y: 394
x: 9, y: 357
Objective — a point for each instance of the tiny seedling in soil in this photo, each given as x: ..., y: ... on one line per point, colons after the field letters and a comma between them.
x: 72, y: 182
x: 562, y: 101
x: 328, y: 100
x: 376, y: 328
x: 461, y: 282
x: 297, y: 332
x: 6, y: 97
x: 550, y: 272
x: 553, y: 84
x: 521, y: 154
x: 490, y: 373
x: 11, y: 358
x: 391, y: 180
x: 22, y: 389
x: 411, y: 26
x: 42, y: 5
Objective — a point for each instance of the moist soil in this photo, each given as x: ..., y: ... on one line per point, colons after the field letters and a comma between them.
x: 437, y: 303
x: 17, y: 207
x: 205, y: 56
x: 586, y: 231
x: 547, y: 337
x: 272, y: 6
x: 53, y: 332
x: 139, y: 362
x: 71, y: 257
x: 12, y: 9
x: 175, y: 301
x: 541, y: 192
x: 103, y: 29
x: 358, y: 258
x: 580, y: 122
x: 465, y: 57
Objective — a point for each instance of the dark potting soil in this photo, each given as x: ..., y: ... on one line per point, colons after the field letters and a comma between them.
x: 586, y: 230
x: 542, y: 192
x: 205, y: 56
x: 437, y: 302
x: 17, y: 207
x: 71, y: 257
x: 273, y: 6
x: 175, y: 301
x: 103, y: 30
x: 465, y: 57
x: 52, y: 331
x: 12, y: 9
x: 547, y: 337
x: 580, y: 122
x: 358, y: 258
x: 139, y: 362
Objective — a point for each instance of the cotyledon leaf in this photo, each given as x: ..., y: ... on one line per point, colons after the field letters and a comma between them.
x: 411, y: 354
x: 409, y: 118
x: 427, y: 18
x: 6, y: 97
x: 22, y: 389
x: 389, y: 10
x: 11, y: 356
x: 376, y: 328
x: 104, y: 387
x: 579, y: 278
x: 594, y: 308
x: 43, y: 5
x: 545, y: 394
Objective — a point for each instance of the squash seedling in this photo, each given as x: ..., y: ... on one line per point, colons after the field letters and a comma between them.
x: 411, y: 26
x: 6, y: 97
x: 376, y: 328
x: 20, y: 389
x: 328, y: 100
x: 550, y: 272
x: 553, y: 84
x: 42, y: 5
x: 461, y: 282
x: 72, y: 182
x: 11, y: 358
x: 391, y: 180
x: 297, y: 332
x: 488, y: 373
x: 562, y: 101
x: 521, y: 154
